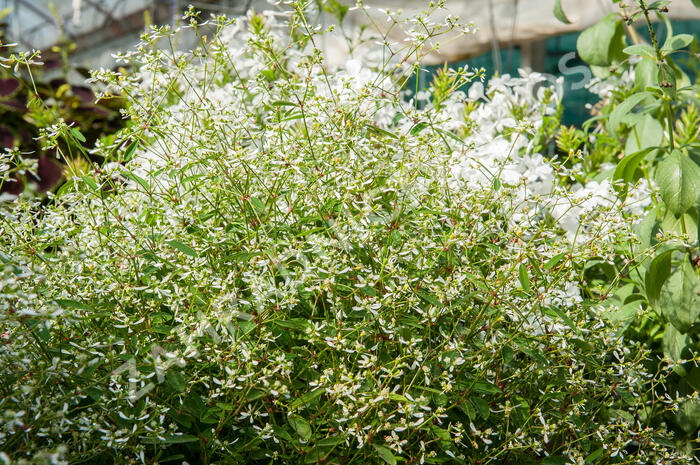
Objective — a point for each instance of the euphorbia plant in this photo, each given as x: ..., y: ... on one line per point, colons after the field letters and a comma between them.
x: 289, y: 263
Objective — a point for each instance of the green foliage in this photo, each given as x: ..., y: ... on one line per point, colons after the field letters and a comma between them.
x: 291, y: 264
x: 653, y: 123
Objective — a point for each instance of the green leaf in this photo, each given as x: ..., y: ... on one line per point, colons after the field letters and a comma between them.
x: 648, y: 132
x: 524, y: 278
x: 602, y: 43
x: 416, y: 129
x: 176, y: 381
x: 380, y: 131
x: 300, y: 426
x: 696, y: 3
x: 594, y: 455
x: 137, y: 179
x: 187, y: 250
x: 676, y: 345
x: 678, y: 179
x: 385, y: 454
x: 554, y: 261
x: 330, y: 441
x: 559, y: 13
x: 89, y: 182
x: 677, y: 42
x: 77, y: 134
x: 688, y: 416
x: 624, y: 109
x: 283, y: 103
x: 179, y: 439
x: 657, y: 274
x: 626, y: 168
x: 680, y: 297
x: 74, y: 304
x: 449, y: 134
x: 130, y: 150
x: 643, y: 50
x: 307, y: 398
x: 645, y: 74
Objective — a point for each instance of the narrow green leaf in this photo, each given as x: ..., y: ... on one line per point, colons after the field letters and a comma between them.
x: 593, y: 456
x: 554, y: 261
x: 307, y: 398
x: 524, y: 278
x: 283, y: 103
x: 89, y: 182
x: 137, y: 179
x: 130, y: 150
x: 380, y: 131
x: 179, y: 439
x: 187, y: 250
x: 559, y: 13
x: 74, y: 304
x: 416, y: 129
x: 330, y: 441
x: 77, y: 134
x: 449, y: 134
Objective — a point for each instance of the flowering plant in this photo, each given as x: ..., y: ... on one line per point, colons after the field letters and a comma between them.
x: 284, y: 262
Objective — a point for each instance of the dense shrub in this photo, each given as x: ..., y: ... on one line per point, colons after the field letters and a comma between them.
x: 292, y: 264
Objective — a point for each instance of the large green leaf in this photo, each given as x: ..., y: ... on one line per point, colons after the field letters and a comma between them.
x: 385, y: 454
x: 678, y: 179
x: 646, y: 73
x: 602, y: 43
x: 624, y: 109
x: 676, y: 345
x: 680, y: 297
x: 688, y: 416
x: 301, y: 426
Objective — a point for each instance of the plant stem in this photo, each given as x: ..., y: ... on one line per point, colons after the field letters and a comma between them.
x: 660, y: 60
